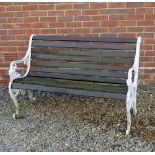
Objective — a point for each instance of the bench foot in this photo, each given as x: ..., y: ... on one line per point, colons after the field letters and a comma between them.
x: 134, y: 111
x: 30, y: 95
x: 127, y: 132
x: 15, y: 116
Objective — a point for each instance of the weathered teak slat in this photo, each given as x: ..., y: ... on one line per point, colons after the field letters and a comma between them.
x: 81, y: 72
x: 99, y: 53
x: 105, y: 87
x: 92, y: 66
x: 83, y: 59
x: 79, y: 65
x: 85, y: 39
x: 85, y: 45
x: 69, y: 91
x: 79, y: 77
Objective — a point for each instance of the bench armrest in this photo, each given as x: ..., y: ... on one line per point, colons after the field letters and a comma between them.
x: 129, y: 80
x: 26, y: 60
x: 135, y: 66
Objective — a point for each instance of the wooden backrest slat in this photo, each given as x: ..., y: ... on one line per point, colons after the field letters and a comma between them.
x: 84, y: 45
x: 79, y: 65
x: 98, y: 53
x: 81, y: 72
x: 92, y: 78
x: 116, y: 60
x: 84, y: 39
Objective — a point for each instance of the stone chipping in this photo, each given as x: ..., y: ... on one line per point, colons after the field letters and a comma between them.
x: 59, y: 122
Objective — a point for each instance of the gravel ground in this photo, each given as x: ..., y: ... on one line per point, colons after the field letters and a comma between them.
x: 58, y: 122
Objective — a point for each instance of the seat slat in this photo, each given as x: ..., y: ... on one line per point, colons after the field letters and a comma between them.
x: 68, y: 91
x: 74, y: 84
x: 100, y: 53
x: 85, y: 39
x: 78, y: 77
x: 53, y: 57
x: 81, y: 72
x: 84, y: 45
x: 79, y: 65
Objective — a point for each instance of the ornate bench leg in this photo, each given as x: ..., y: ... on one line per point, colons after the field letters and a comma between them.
x: 13, y: 97
x: 134, y: 104
x: 128, y: 108
x: 128, y: 121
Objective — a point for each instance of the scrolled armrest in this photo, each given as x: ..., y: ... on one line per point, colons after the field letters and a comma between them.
x: 129, y: 80
x: 26, y: 61
x: 13, y: 73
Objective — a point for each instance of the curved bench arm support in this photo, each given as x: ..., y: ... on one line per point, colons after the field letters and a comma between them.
x: 15, y: 75
x: 26, y: 60
x: 132, y: 83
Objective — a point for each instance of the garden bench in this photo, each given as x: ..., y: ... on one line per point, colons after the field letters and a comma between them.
x: 100, y: 67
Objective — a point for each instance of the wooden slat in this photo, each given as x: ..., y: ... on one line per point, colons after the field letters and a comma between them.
x: 81, y: 72
x: 84, y: 45
x: 85, y: 39
x: 78, y: 77
x: 116, y: 60
x: 101, y: 53
x: 80, y: 65
x: 74, y: 84
x: 68, y: 91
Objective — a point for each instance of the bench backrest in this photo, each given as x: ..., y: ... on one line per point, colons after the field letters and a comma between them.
x: 83, y: 58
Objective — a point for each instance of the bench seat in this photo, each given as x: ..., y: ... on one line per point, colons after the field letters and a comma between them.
x: 108, y: 90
